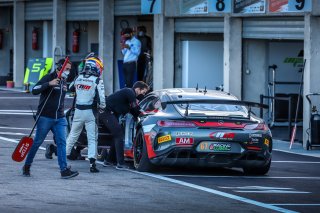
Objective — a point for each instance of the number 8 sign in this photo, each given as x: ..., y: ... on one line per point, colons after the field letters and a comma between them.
x: 219, y: 6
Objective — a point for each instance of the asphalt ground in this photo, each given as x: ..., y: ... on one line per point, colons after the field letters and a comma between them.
x: 292, y: 185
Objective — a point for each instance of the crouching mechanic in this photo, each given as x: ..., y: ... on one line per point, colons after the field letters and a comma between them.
x: 89, y: 93
x: 120, y: 103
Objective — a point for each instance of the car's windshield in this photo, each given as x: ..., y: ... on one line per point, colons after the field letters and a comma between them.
x: 210, y: 109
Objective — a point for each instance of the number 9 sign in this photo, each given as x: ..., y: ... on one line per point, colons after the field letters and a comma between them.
x: 299, y: 5
x: 219, y: 6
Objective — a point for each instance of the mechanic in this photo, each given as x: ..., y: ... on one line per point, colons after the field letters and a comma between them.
x: 120, y: 103
x: 52, y: 90
x: 89, y: 93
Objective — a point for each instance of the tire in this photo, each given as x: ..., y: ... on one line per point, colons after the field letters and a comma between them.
x: 257, y: 170
x: 141, y: 161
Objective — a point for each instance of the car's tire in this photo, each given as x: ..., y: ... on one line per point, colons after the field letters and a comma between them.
x: 141, y: 161
x: 257, y: 170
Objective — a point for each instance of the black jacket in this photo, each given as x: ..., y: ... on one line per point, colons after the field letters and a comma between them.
x: 54, y: 107
x: 122, y: 102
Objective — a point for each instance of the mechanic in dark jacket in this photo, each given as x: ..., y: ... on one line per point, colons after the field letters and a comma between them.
x: 117, y: 104
x: 51, y: 118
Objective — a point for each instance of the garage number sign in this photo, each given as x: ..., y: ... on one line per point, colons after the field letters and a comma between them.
x: 276, y: 6
x: 151, y: 6
x: 222, y: 6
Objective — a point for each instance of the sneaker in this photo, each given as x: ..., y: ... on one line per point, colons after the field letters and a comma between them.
x: 68, y: 173
x: 122, y: 167
x: 26, y: 170
x: 49, y: 151
x: 107, y: 163
x: 93, y: 169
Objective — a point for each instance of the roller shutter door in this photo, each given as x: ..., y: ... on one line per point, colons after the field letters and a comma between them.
x: 127, y: 7
x: 38, y: 10
x: 199, y: 25
x: 274, y: 28
x: 82, y: 10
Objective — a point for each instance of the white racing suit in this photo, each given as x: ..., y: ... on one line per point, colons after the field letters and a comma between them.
x: 89, y: 92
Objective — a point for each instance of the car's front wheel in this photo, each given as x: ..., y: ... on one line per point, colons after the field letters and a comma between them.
x: 140, y: 155
x: 257, y: 170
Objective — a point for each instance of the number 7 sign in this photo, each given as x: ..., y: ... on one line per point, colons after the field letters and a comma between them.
x: 151, y: 6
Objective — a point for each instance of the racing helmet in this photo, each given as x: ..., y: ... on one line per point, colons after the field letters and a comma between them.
x: 93, y: 66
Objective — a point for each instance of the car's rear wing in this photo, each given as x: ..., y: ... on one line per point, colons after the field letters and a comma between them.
x: 214, y: 101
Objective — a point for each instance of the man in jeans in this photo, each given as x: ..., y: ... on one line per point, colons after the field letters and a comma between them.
x: 51, y: 118
x: 120, y: 103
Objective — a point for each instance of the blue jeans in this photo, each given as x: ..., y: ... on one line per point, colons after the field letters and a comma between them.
x: 58, y: 127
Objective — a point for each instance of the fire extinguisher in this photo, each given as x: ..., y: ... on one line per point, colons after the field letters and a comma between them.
x: 75, y: 42
x: 35, y: 33
x: 1, y: 39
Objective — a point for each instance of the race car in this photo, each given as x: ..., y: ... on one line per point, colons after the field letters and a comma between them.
x: 197, y: 127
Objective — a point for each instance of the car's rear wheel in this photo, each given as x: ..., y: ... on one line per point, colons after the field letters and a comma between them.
x: 140, y: 156
x: 257, y: 170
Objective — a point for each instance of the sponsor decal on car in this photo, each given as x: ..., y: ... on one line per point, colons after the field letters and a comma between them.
x: 214, y: 147
x: 222, y: 135
x: 266, y: 142
x: 184, y: 141
x: 255, y: 135
x: 184, y: 133
x: 164, y: 138
x: 254, y: 139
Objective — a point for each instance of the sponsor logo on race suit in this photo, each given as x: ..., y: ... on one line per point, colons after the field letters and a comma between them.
x: 83, y: 87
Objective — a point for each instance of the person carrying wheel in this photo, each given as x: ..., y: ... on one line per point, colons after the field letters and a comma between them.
x: 120, y: 103
x: 89, y: 93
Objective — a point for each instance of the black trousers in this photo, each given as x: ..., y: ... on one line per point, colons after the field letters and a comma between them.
x: 111, y: 122
x: 129, y: 70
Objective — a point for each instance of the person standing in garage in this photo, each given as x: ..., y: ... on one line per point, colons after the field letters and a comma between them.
x: 131, y: 50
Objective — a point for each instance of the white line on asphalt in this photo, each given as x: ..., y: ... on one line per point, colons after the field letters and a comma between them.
x: 244, y: 177
x: 16, y: 113
x: 11, y: 133
x: 283, y: 161
x: 298, y: 153
x: 14, y: 110
x: 16, y: 141
x: 19, y: 97
x: 273, y: 192
x: 216, y: 192
x: 294, y: 204
x: 4, y: 127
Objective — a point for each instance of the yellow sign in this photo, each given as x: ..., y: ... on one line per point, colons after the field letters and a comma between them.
x: 36, y: 69
x: 164, y: 138
x: 266, y: 142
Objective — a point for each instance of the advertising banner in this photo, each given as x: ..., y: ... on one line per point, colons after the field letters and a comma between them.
x: 249, y: 6
x: 194, y: 7
x: 277, y: 6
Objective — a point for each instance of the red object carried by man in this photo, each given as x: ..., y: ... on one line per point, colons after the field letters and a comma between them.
x: 25, y: 144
